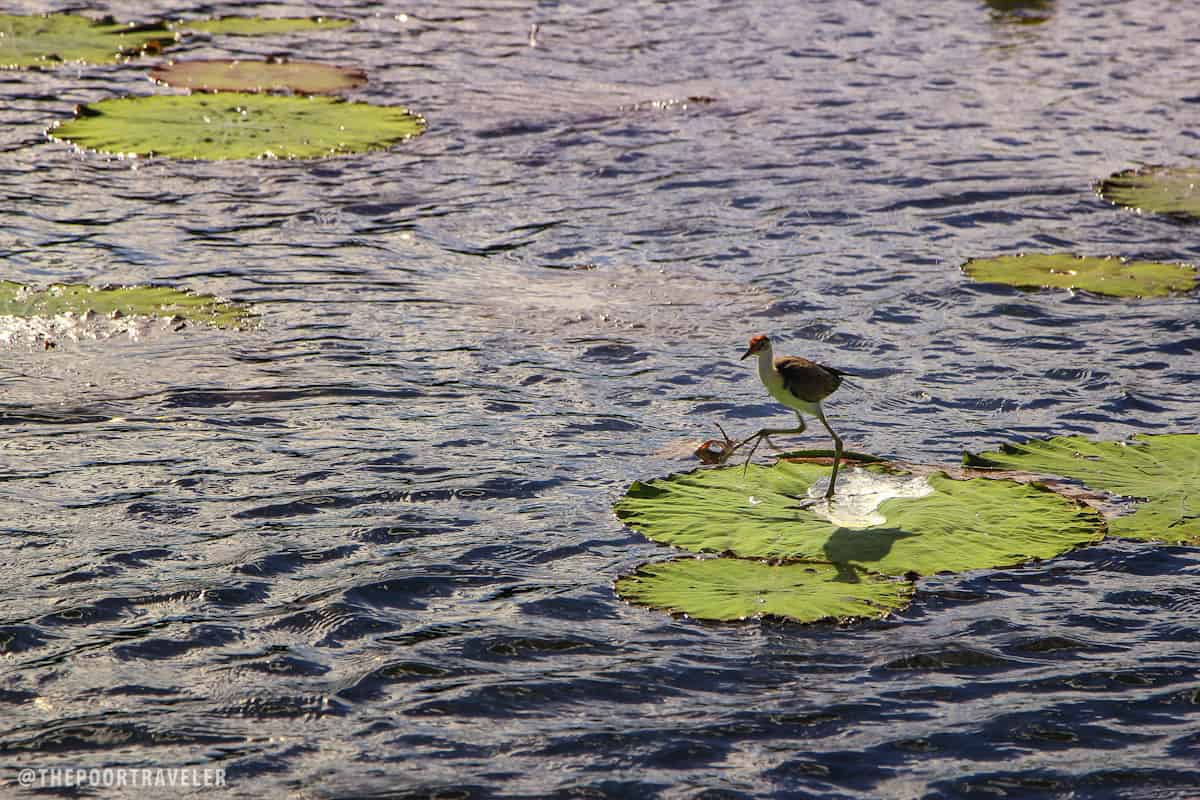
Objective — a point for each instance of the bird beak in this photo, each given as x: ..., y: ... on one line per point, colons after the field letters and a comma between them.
x: 749, y: 352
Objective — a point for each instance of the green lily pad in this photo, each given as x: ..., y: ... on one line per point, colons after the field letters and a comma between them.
x: 733, y: 589
x: 229, y: 75
x: 52, y: 39
x: 236, y: 125
x: 1163, y: 469
x: 1110, y: 276
x: 1173, y: 191
x: 950, y: 525
x: 260, y: 26
x: 18, y: 300
x: 1021, y: 12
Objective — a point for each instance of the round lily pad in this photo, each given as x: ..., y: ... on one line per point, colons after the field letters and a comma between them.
x: 1109, y: 276
x: 48, y: 40
x: 734, y: 588
x: 236, y: 125
x: 229, y: 75
x: 1173, y: 191
x: 1161, y: 469
x: 260, y: 26
x: 18, y: 300
x: 956, y: 525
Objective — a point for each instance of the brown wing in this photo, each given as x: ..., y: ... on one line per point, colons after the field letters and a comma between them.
x: 808, y: 380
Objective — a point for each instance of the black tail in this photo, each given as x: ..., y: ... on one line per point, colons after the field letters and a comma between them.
x: 842, y: 376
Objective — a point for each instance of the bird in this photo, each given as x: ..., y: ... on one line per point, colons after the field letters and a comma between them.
x: 800, y: 385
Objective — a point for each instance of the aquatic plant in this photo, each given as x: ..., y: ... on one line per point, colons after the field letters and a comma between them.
x: 19, y: 300
x: 1160, y: 471
x: 1171, y: 191
x: 884, y: 522
x: 239, y: 75
x: 49, y: 40
x: 259, y: 26
x: 734, y: 589
x: 912, y: 524
x: 232, y: 125
x: 1115, y: 277
x: 1021, y: 12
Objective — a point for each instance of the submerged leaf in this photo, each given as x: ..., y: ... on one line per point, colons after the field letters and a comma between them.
x: 259, y: 26
x: 958, y: 525
x: 52, y: 39
x: 237, y: 125
x: 1110, y: 276
x: 1174, y: 191
x: 734, y: 588
x: 1163, y: 469
x: 229, y: 75
x: 18, y: 300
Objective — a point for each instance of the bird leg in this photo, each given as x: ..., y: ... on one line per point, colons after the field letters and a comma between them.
x: 837, y: 452
x: 763, y: 434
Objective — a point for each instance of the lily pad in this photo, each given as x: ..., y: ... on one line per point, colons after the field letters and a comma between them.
x: 1162, y: 469
x: 228, y: 75
x: 18, y: 300
x: 734, y: 588
x: 52, y: 39
x: 1109, y: 276
x: 1021, y: 12
x: 236, y: 125
x: 260, y: 26
x: 1173, y: 191
x: 958, y: 525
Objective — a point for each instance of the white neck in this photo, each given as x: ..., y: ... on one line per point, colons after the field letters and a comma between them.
x: 766, y: 365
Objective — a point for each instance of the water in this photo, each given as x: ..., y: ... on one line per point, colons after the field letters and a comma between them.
x: 367, y: 549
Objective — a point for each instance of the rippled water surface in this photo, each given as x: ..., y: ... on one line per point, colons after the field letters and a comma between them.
x: 367, y: 549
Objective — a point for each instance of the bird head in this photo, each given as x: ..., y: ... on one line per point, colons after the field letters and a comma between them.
x: 757, y: 344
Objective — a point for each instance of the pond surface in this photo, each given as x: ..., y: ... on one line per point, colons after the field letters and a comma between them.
x: 367, y: 549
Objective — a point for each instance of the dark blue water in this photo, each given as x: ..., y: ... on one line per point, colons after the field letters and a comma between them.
x: 367, y: 549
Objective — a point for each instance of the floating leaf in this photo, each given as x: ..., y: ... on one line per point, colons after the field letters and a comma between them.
x: 958, y: 525
x: 734, y: 588
x: 236, y: 125
x: 1111, y: 276
x: 227, y: 75
x: 1021, y: 12
x: 51, y: 39
x: 1164, y: 469
x: 1174, y: 191
x: 260, y: 26
x: 18, y: 300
